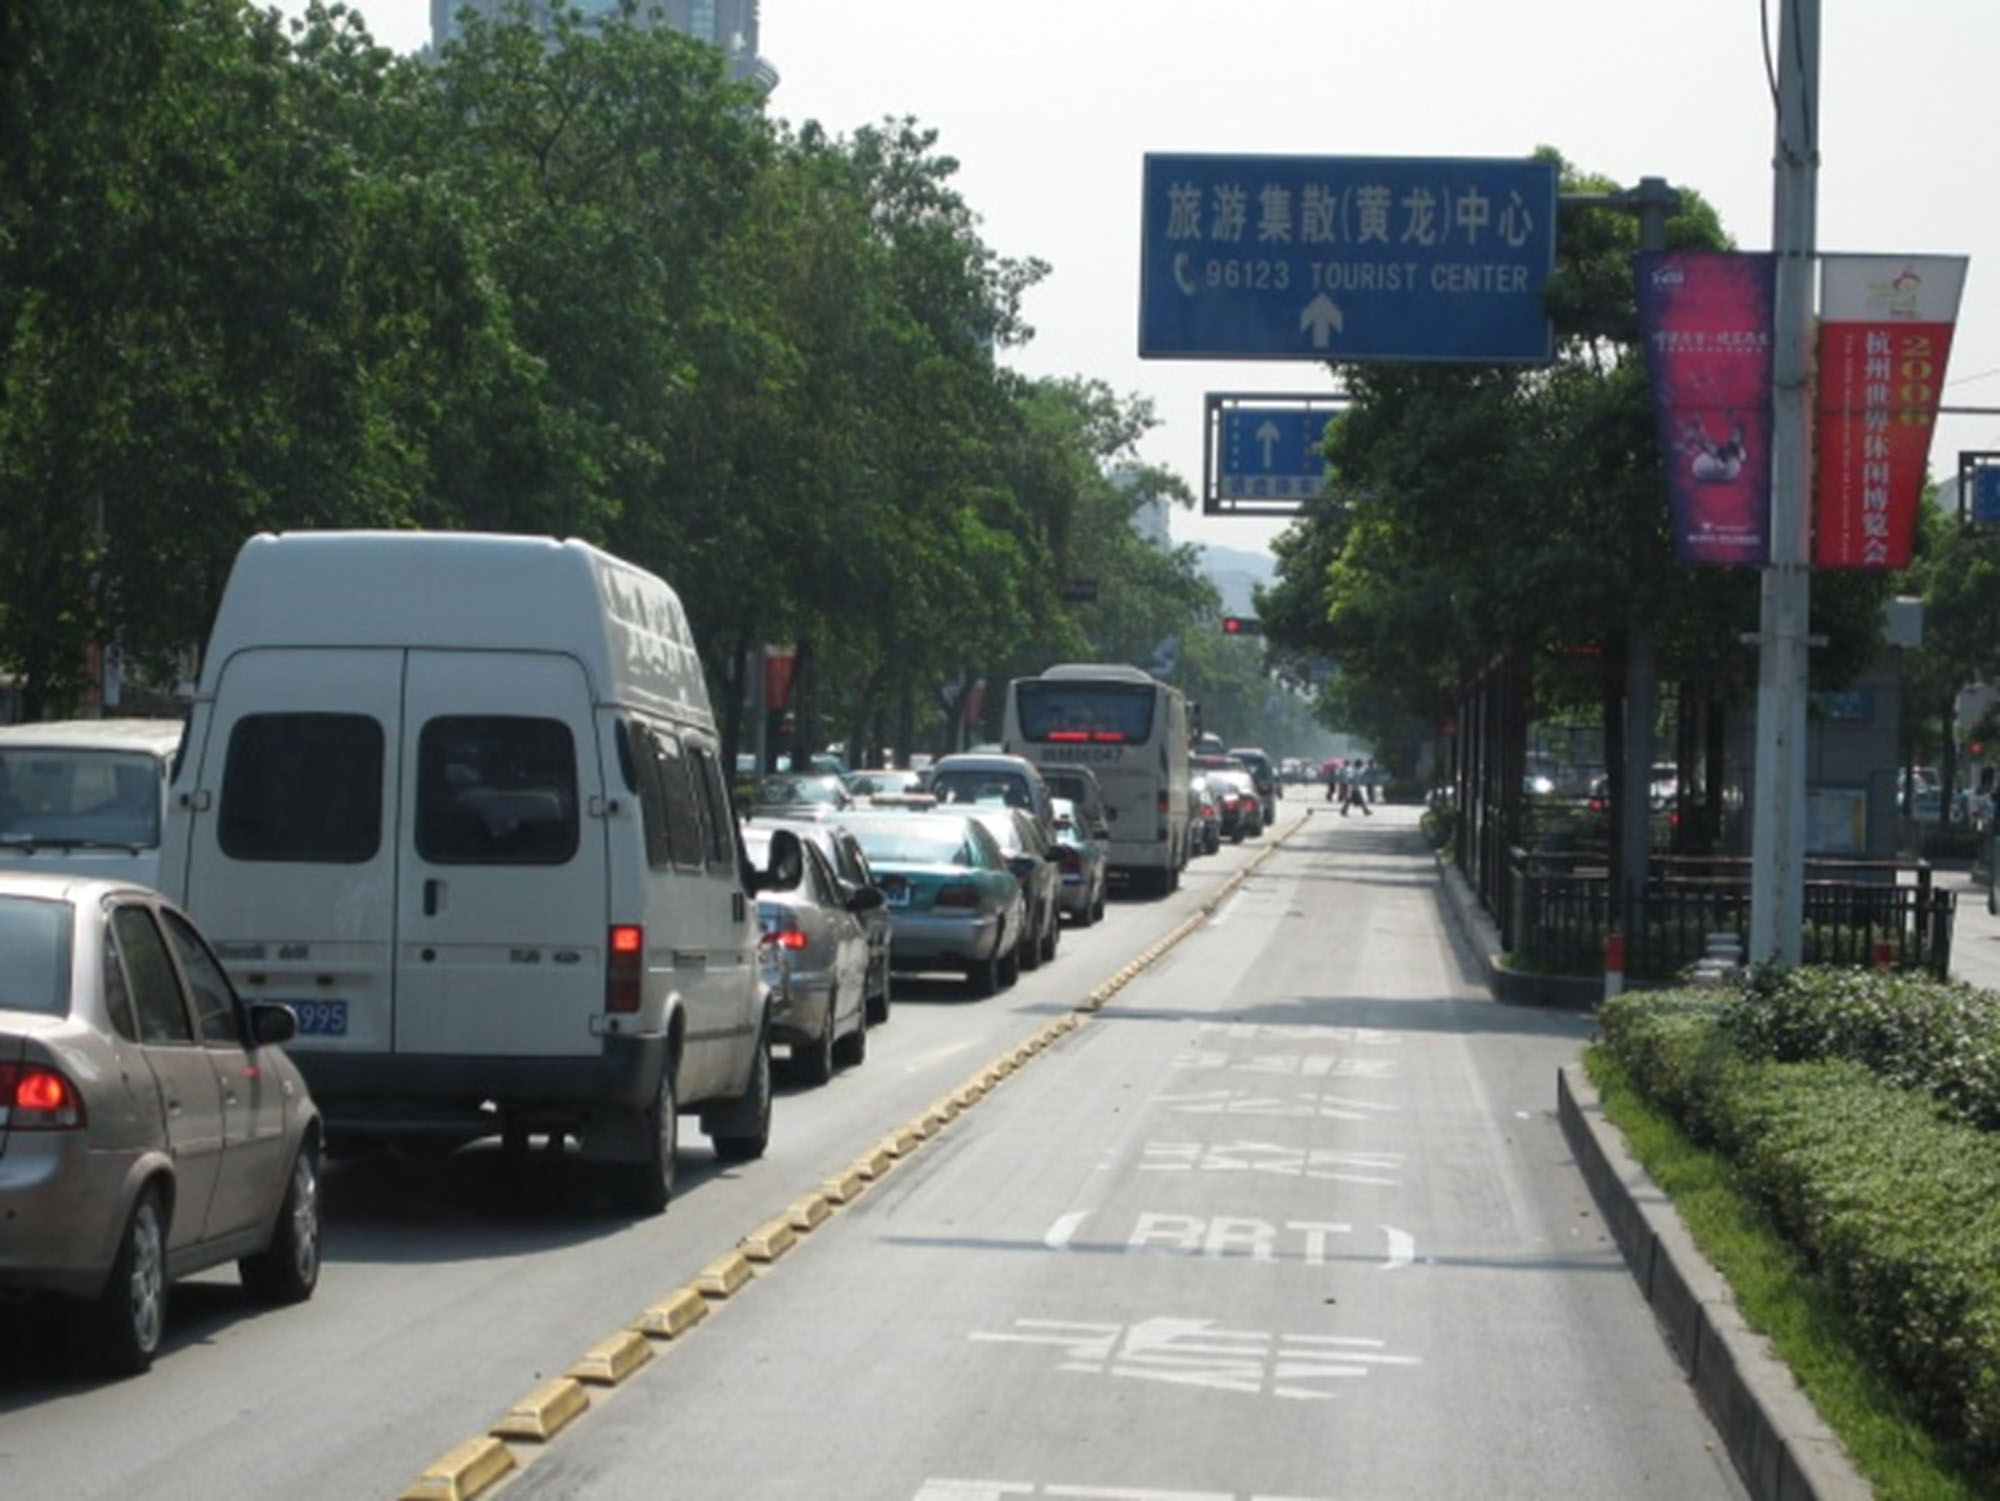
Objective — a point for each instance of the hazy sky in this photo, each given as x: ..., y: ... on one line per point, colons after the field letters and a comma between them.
x: 1050, y: 106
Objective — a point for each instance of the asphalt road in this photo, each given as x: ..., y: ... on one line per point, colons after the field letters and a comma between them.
x: 1289, y: 1217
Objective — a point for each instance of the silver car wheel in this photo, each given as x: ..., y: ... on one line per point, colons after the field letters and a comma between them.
x: 146, y: 1289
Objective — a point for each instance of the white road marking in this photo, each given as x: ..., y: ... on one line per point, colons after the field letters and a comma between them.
x: 997, y: 1490
x: 1304, y: 1105
x: 1320, y: 1164
x: 1193, y: 1352
x: 1402, y: 1249
x: 1059, y: 1233
x: 1307, y: 1066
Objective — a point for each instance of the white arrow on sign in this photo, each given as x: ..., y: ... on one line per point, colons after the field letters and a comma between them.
x: 1268, y: 436
x: 1322, y: 316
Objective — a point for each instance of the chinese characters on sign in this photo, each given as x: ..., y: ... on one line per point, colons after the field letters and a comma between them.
x: 1885, y: 331
x: 1346, y: 258
x: 1706, y: 319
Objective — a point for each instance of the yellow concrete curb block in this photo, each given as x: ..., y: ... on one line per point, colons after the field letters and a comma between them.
x: 903, y: 1142
x: 970, y: 1094
x: 844, y: 1189
x: 875, y: 1163
x: 612, y: 1358
x: 945, y: 1109
x: 545, y: 1411
x: 673, y: 1315
x: 722, y: 1277
x: 928, y: 1124
x: 810, y: 1212
x: 769, y: 1242
x: 1004, y: 1066
x: 463, y: 1473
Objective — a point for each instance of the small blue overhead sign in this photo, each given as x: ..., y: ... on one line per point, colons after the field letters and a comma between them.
x: 1271, y: 453
x: 1346, y: 258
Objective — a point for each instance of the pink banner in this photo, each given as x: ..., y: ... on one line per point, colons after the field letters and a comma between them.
x: 1706, y: 319
x: 1884, y: 334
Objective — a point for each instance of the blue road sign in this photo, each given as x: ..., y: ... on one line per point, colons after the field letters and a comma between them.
x: 1986, y: 494
x: 1346, y: 258
x: 1271, y: 453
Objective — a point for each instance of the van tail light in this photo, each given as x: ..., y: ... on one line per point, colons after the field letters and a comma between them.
x: 36, y: 1098
x: 625, y: 969
x: 956, y: 896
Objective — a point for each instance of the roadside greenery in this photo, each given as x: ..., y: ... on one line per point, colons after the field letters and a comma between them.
x: 261, y: 274
x: 1847, y: 1107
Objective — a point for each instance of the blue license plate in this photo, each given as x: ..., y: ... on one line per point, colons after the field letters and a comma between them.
x: 320, y: 1018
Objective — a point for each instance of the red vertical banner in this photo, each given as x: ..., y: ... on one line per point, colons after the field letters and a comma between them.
x: 1706, y: 318
x: 1884, y: 334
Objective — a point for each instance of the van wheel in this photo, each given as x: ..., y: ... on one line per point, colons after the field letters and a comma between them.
x: 742, y: 1131
x: 130, y: 1314
x: 287, y: 1270
x: 813, y: 1063
x: 644, y: 1186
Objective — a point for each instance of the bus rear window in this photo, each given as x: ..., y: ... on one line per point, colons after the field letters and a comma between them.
x: 1057, y: 713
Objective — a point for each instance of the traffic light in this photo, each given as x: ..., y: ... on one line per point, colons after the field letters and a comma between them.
x: 1242, y: 625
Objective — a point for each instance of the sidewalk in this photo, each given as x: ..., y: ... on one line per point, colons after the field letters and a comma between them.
x: 1975, y: 932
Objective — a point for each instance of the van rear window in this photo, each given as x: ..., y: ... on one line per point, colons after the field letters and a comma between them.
x: 496, y: 789
x: 304, y: 788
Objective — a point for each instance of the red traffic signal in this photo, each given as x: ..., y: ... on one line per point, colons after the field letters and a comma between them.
x: 1241, y: 625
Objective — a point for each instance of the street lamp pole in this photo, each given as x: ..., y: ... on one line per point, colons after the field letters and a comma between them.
x: 1777, y: 868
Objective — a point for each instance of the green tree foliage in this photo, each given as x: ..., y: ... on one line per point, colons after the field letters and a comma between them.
x: 264, y: 274
x: 1480, y: 511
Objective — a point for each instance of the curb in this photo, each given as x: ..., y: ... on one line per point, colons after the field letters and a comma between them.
x: 1781, y: 1448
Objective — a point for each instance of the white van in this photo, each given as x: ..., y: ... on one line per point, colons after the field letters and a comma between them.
x: 85, y: 797
x: 458, y: 800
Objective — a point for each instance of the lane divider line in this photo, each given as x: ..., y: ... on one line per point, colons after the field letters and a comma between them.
x: 477, y: 1465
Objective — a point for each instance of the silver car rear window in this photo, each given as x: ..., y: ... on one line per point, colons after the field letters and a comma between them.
x: 34, y: 955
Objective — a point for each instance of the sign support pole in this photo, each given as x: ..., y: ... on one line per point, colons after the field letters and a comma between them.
x: 1777, y: 867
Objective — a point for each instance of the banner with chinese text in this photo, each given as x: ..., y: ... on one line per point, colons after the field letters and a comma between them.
x: 1706, y: 319
x: 1885, y: 330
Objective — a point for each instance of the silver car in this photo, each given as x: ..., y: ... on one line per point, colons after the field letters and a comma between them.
x: 150, y: 1124
x: 815, y: 945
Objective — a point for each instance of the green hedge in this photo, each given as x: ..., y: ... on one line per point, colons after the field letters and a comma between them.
x: 1891, y: 1196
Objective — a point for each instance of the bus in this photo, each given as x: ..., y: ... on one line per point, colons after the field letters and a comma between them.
x: 1131, y: 730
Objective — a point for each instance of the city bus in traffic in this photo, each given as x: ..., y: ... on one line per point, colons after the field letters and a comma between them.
x: 1131, y: 730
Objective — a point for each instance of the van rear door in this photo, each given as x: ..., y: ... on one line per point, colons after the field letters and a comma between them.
x: 291, y: 860
x: 502, y: 906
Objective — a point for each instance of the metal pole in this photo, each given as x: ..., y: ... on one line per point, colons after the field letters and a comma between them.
x: 1653, y: 201
x: 1777, y: 866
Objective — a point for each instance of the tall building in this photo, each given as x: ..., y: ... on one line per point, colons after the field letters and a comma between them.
x: 730, y: 25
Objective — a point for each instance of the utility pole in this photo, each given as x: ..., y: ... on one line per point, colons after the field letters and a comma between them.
x: 1777, y: 865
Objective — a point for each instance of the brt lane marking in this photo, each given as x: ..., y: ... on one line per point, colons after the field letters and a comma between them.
x: 1288, y: 1065
x: 1000, y: 1490
x: 1228, y: 1237
x: 1302, y: 1105
x: 1318, y: 1164
x: 1194, y: 1352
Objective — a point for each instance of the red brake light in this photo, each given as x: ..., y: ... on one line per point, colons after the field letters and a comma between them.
x: 1109, y: 737
x: 1067, y: 735
x: 625, y: 972
x: 956, y: 896
x: 33, y: 1098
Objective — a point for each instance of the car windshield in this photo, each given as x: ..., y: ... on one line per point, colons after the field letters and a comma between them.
x: 34, y: 955
x: 51, y: 795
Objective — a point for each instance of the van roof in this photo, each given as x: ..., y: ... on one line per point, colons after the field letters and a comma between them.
x: 159, y: 736
x: 468, y: 591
